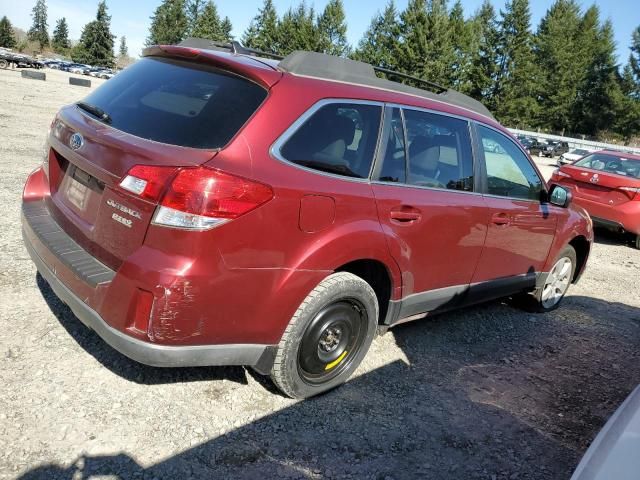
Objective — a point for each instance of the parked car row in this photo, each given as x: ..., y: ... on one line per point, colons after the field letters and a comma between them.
x: 9, y: 58
x: 80, y: 68
x: 543, y: 148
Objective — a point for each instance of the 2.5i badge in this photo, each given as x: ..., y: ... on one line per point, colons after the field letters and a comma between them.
x: 124, y: 221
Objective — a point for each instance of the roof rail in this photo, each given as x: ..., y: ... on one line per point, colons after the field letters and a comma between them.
x: 233, y: 46
x: 329, y: 67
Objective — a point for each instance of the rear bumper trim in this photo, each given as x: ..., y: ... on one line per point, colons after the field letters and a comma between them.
x: 149, y: 353
x: 603, y: 222
x: 55, y: 239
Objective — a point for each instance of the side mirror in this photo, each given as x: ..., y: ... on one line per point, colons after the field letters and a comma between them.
x: 560, y: 196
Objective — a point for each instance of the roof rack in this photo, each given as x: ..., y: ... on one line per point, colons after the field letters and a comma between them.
x: 320, y: 65
x: 233, y: 46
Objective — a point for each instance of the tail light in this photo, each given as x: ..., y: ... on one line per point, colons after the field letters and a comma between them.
x: 147, y: 182
x: 634, y: 191
x: 197, y: 198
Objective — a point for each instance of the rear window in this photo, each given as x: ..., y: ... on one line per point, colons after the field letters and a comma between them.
x: 178, y: 102
x: 627, y: 167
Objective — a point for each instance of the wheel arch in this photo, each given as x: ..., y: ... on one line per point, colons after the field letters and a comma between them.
x: 582, y: 247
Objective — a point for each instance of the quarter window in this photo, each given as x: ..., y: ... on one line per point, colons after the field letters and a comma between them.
x: 509, y: 172
x: 338, y: 138
x: 439, y: 149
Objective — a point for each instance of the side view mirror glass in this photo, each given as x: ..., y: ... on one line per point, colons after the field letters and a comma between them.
x: 560, y: 196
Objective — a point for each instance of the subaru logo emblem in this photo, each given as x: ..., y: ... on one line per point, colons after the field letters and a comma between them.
x: 76, y: 141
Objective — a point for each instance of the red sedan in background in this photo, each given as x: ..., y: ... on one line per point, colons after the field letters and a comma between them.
x: 607, y: 185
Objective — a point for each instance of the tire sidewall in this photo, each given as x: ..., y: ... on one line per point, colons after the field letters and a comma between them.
x: 352, y: 287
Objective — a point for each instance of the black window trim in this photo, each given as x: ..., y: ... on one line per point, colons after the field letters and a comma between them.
x: 275, y: 150
x: 544, y: 193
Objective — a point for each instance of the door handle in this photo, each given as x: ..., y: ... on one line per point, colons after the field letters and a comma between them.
x: 500, y: 219
x: 405, y: 214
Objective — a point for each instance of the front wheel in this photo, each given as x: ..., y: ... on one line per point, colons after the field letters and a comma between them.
x: 556, y: 283
x: 327, y: 337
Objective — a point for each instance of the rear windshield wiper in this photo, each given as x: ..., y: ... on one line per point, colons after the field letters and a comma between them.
x: 95, y: 111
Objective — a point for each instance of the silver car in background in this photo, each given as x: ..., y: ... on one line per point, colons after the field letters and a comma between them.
x: 615, y: 453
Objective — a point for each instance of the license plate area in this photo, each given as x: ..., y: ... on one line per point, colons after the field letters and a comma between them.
x: 80, y: 189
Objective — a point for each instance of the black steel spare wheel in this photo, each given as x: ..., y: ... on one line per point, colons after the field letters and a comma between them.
x: 332, y: 340
x: 327, y: 337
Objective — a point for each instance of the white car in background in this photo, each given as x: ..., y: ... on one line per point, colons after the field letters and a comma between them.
x: 573, y: 155
x: 613, y: 455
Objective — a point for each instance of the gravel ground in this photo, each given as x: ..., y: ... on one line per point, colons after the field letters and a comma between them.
x: 486, y: 393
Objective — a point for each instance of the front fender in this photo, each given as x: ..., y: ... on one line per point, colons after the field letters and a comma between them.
x: 574, y: 223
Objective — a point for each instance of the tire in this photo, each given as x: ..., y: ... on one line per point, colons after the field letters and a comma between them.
x: 637, y: 242
x: 3, y: 63
x: 327, y: 337
x: 556, y: 284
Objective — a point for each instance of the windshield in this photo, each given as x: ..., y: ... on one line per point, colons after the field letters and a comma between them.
x: 177, y: 102
x: 627, y: 167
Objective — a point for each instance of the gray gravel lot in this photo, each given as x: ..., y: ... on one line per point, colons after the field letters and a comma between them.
x: 484, y: 393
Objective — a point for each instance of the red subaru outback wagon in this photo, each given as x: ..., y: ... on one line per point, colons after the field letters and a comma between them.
x: 208, y: 206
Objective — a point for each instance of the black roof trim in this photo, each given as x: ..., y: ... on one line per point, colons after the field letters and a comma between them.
x: 319, y: 65
x: 329, y: 67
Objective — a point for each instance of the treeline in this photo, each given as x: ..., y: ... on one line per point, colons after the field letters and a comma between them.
x: 95, y: 46
x: 562, y: 76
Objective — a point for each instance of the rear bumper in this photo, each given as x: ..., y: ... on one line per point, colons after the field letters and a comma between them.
x: 256, y: 355
x: 621, y: 217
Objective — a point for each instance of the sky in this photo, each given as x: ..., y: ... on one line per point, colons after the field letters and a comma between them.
x: 131, y: 17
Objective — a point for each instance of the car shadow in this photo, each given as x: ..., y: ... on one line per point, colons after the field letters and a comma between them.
x: 608, y: 237
x: 486, y: 393
x: 122, y: 365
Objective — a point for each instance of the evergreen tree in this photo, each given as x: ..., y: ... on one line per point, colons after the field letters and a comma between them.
x: 123, y: 51
x: 38, y: 31
x: 96, y: 41
x: 634, y: 60
x: 425, y: 47
x: 60, y: 40
x: 194, y: 9
x: 557, y: 42
x: 484, y: 66
x: 515, y: 91
x: 380, y: 42
x: 297, y: 30
x: 262, y: 33
x: 332, y: 30
x: 7, y: 36
x: 628, y: 118
x: 465, y: 42
x: 600, y: 98
x: 209, y: 25
x: 226, y: 27
x: 168, y: 24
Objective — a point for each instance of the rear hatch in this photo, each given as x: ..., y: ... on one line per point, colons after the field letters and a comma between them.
x: 604, y: 179
x: 160, y: 112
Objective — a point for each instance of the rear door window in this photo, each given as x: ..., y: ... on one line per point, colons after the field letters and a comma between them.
x: 338, y: 138
x: 439, y: 149
x: 178, y: 102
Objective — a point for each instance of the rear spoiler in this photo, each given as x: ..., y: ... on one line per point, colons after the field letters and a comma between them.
x: 244, y: 66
